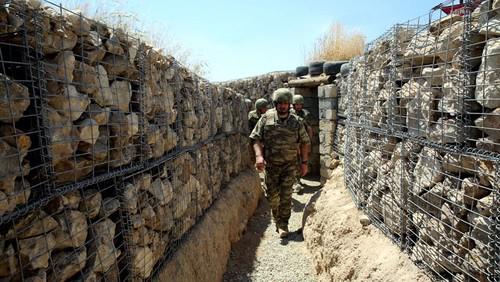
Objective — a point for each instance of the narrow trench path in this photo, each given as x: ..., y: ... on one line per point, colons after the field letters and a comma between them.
x: 261, y: 255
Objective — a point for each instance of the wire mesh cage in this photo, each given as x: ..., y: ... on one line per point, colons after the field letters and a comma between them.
x: 431, y: 80
x: 23, y: 175
x: 425, y: 168
x: 484, y: 84
x: 91, y: 95
x: 75, y: 236
x: 162, y: 204
x: 451, y: 206
x: 161, y: 104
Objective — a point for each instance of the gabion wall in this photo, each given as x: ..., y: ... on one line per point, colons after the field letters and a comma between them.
x: 261, y: 86
x: 110, y: 151
x: 421, y: 138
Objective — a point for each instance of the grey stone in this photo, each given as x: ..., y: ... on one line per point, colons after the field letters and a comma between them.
x: 66, y: 264
x: 490, y: 123
x: 91, y: 203
x: 445, y: 131
x: 103, y: 96
x: 69, y: 102
x: 86, y: 78
x: 428, y: 170
x: 36, y: 250
x: 121, y: 94
x: 364, y: 220
x: 488, y: 79
x: 488, y: 144
x: 109, y: 206
x: 72, y: 231
x: 142, y: 262
x: 162, y: 191
x: 14, y: 99
x: 34, y: 224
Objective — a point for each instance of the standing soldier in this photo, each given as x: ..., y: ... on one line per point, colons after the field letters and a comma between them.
x: 298, y: 109
x: 254, y: 116
x: 278, y: 135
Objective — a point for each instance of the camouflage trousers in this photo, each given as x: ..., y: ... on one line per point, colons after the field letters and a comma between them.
x: 278, y: 191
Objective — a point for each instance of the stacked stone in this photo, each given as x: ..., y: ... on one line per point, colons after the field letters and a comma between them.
x: 162, y: 84
x: 18, y: 117
x: 88, y: 83
x: 441, y: 199
x: 165, y: 202
x: 261, y: 86
x: 327, y: 127
x: 72, y: 237
x: 149, y: 201
x: 487, y: 81
x: 375, y: 102
x: 451, y: 210
x: 356, y: 89
x: 15, y: 144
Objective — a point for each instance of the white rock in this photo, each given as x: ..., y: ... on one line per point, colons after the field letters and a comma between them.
x: 488, y: 77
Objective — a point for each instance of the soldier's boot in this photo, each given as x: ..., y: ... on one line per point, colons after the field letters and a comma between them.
x: 283, y: 232
x: 297, y: 188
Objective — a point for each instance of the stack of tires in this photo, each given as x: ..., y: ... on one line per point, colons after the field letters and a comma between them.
x: 316, y: 68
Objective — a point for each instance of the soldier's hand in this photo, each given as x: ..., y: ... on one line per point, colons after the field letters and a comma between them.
x: 303, y: 169
x: 260, y: 163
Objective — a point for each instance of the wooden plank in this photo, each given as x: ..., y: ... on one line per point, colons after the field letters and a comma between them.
x: 311, y: 81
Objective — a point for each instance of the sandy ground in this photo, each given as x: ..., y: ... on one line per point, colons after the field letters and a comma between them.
x: 336, y: 247
x: 261, y: 255
x: 344, y: 250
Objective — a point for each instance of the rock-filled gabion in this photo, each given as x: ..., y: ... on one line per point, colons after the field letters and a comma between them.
x: 164, y: 202
x: 126, y: 147
x: 75, y: 236
x: 422, y: 151
x: 109, y: 100
x: 21, y: 163
x: 261, y: 86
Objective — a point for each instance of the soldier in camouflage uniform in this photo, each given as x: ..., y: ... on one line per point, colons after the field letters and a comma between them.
x: 278, y: 135
x: 298, y: 109
x: 254, y: 116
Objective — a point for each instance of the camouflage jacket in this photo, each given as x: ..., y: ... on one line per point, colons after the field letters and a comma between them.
x: 253, y: 118
x: 305, y: 115
x: 280, y: 137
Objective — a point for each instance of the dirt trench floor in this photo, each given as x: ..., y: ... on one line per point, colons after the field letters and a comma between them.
x: 336, y: 247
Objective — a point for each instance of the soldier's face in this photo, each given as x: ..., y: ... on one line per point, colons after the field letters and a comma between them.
x: 282, y: 108
x: 298, y: 107
x: 263, y: 110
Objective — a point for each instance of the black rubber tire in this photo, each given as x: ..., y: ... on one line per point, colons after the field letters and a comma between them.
x: 345, y: 69
x: 316, y: 68
x: 332, y: 67
x: 301, y: 71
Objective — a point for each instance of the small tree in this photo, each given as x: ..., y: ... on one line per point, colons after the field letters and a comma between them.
x: 336, y: 44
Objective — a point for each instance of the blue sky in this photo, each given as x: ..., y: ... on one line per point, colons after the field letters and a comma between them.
x: 244, y: 38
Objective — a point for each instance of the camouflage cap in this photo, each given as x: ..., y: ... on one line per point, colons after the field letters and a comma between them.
x: 260, y: 103
x: 282, y: 95
x: 298, y: 99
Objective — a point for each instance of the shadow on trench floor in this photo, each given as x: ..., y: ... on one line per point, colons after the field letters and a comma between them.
x: 260, y: 255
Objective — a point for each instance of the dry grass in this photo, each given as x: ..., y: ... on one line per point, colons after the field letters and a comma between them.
x: 114, y: 13
x: 337, y: 44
